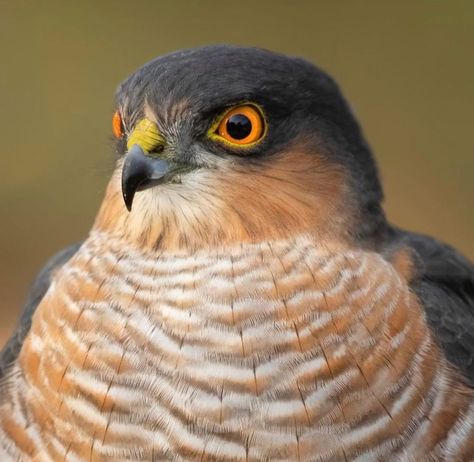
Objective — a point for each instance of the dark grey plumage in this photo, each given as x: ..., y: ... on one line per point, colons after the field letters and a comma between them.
x: 40, y: 286
x: 444, y: 284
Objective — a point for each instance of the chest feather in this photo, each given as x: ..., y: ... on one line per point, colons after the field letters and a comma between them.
x: 270, y: 351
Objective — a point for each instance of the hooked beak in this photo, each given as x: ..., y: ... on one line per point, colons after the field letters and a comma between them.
x: 140, y: 172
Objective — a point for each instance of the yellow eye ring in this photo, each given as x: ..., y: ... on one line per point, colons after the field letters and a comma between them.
x: 240, y: 126
x: 117, y: 125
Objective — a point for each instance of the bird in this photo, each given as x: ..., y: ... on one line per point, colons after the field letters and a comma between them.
x: 241, y: 295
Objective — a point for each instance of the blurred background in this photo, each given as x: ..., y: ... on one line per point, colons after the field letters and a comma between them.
x: 407, y: 67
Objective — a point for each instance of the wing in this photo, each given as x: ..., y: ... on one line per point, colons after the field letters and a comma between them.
x: 12, y: 348
x: 445, y: 286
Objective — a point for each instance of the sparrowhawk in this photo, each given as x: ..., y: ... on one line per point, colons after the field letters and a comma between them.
x: 241, y: 295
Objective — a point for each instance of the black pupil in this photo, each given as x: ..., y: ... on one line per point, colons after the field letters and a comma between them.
x: 239, y: 126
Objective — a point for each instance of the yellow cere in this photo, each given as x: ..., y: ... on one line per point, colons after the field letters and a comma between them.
x: 146, y: 135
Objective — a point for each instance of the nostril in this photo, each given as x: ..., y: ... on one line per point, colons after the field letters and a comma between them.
x: 158, y: 149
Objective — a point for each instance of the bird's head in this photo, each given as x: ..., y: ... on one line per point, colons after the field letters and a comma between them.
x: 227, y: 144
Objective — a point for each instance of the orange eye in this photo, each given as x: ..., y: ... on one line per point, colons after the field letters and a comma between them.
x: 117, y: 126
x: 242, y: 125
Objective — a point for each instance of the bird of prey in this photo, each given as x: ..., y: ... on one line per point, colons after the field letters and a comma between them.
x: 241, y: 295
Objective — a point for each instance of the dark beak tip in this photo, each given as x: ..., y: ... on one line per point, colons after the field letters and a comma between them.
x: 129, y: 187
x: 128, y: 200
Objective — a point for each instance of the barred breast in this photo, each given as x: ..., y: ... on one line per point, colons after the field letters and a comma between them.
x: 282, y: 350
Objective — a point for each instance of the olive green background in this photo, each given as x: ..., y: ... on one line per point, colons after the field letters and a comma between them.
x: 407, y: 67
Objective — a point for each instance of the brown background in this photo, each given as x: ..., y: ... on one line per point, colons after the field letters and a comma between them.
x: 407, y: 67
